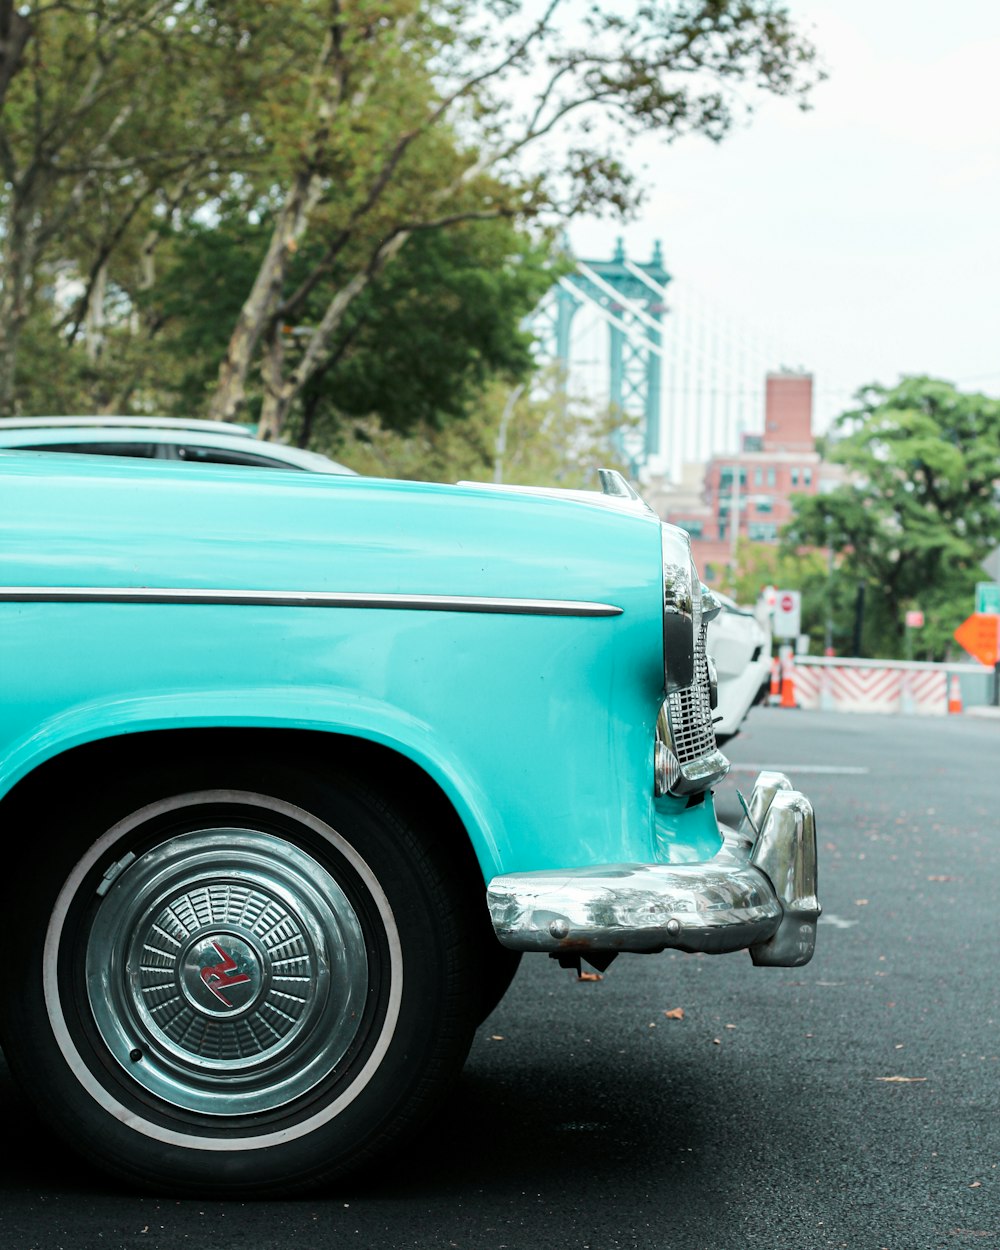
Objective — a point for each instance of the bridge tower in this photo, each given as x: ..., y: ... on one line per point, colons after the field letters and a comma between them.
x: 629, y: 296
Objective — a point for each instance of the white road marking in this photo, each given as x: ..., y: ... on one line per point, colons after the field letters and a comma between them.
x: 843, y: 770
x: 837, y: 921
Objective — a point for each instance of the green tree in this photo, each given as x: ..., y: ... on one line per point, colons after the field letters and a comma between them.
x: 114, y: 114
x: 827, y: 595
x: 414, y: 347
x: 919, y: 508
x: 336, y: 137
x: 405, y: 116
x: 507, y: 434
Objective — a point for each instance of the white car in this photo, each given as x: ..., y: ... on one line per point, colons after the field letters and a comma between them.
x: 159, y: 438
x: 741, y: 648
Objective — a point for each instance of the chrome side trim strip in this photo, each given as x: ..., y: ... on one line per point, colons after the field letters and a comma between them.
x: 304, y: 599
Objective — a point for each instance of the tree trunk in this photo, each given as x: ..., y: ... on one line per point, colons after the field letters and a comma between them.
x: 318, y: 351
x: 310, y: 407
x: 273, y: 412
x: 95, y: 319
x: 264, y: 300
x: 304, y: 194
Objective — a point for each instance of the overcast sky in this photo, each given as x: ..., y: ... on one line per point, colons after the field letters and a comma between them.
x: 863, y: 236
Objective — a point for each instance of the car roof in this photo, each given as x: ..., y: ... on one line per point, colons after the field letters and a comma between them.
x: 37, y: 433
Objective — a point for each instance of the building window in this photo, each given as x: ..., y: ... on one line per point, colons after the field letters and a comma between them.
x: 807, y: 477
x: 726, y: 476
x: 762, y: 532
x: 795, y: 477
x: 694, y: 528
x: 770, y: 476
x: 722, y: 531
x: 764, y: 504
x: 758, y: 477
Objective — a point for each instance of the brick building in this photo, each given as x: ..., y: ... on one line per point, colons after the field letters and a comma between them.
x: 748, y: 494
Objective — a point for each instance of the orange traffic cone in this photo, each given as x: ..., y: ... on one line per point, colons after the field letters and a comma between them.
x: 774, y: 697
x: 788, y: 684
x: 955, y: 694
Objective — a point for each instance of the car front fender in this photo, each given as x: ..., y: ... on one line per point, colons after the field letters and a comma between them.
x: 319, y: 708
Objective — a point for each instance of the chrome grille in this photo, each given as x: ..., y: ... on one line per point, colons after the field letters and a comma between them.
x: 690, y: 711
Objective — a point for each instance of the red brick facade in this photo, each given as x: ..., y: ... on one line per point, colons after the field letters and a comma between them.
x: 748, y: 494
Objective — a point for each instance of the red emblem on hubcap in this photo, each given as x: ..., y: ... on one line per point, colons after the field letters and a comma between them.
x: 220, y: 976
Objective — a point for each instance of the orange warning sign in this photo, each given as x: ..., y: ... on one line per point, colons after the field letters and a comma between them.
x: 979, y: 634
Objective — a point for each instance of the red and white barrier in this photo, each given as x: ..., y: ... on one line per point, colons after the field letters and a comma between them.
x: 847, y: 685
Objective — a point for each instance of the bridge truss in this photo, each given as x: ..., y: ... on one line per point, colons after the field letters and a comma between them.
x: 687, y: 377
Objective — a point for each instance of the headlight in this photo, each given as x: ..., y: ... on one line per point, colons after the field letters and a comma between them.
x: 667, y: 769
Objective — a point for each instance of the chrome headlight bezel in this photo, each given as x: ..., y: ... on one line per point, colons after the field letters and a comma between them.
x: 687, y: 758
x: 681, y: 608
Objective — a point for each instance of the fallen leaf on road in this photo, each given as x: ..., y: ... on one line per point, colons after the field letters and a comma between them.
x: 940, y: 878
x: 976, y: 1185
x: 496, y: 1037
x: 730, y: 1026
x: 860, y: 902
x: 675, y: 1013
x: 902, y: 1080
x: 589, y: 976
x: 716, y: 1041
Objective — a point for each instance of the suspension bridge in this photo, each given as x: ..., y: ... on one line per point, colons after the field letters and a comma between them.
x: 689, y: 375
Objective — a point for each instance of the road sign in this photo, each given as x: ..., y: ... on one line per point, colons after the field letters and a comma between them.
x: 988, y: 597
x: 787, y: 614
x: 914, y: 619
x: 979, y: 634
x: 991, y: 565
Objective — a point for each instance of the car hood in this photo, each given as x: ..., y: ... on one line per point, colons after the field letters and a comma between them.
x: 68, y: 520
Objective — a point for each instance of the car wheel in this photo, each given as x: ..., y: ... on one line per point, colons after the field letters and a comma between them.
x: 497, y: 971
x: 230, y: 991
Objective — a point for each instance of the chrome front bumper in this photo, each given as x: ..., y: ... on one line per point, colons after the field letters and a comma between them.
x: 758, y: 892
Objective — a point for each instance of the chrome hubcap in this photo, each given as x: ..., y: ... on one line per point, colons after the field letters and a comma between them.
x: 227, y: 971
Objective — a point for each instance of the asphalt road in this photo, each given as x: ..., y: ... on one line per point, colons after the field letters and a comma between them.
x: 853, y: 1103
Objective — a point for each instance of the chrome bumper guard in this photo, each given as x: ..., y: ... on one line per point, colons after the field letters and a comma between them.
x: 758, y: 892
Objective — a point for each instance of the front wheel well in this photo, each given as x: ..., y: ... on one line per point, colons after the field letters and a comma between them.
x: 85, y: 774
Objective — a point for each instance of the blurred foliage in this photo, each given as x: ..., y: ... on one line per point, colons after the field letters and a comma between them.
x: 918, y: 512
x: 760, y: 565
x: 305, y: 210
x: 414, y: 348
x: 540, y: 439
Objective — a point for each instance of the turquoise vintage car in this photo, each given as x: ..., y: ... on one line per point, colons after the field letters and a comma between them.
x: 292, y: 769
